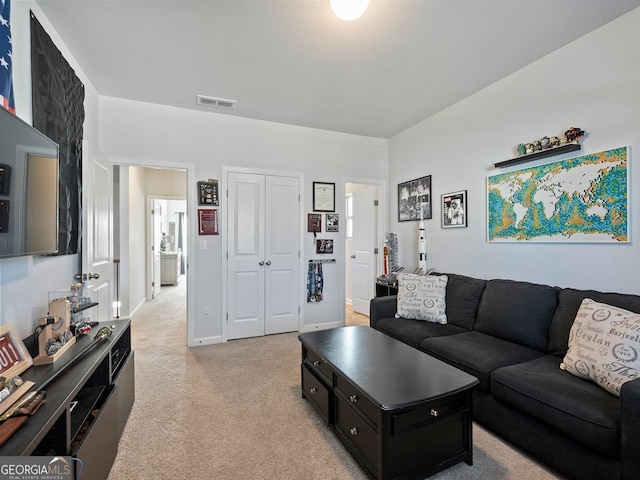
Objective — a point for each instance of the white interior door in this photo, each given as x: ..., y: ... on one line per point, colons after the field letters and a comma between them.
x: 246, y: 259
x: 363, y: 247
x: 156, y: 216
x: 262, y: 254
x: 97, y: 239
x: 282, y: 254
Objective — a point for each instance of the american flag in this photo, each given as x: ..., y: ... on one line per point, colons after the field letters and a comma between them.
x: 6, y: 81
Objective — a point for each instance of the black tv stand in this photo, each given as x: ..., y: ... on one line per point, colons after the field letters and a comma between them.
x: 87, y: 406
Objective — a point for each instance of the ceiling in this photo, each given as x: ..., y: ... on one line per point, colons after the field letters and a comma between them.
x: 294, y: 62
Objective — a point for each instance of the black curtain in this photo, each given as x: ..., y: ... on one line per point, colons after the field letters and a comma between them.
x: 58, y: 112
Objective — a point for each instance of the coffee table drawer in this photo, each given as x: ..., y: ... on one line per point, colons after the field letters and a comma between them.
x: 318, y: 365
x: 431, y: 413
x: 315, y: 391
x: 356, y: 431
x: 357, y: 400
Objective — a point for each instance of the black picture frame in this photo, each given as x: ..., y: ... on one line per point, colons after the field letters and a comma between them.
x: 324, y: 197
x: 454, y: 209
x: 208, y: 193
x: 414, y: 199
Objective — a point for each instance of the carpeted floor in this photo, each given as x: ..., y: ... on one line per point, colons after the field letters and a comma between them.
x: 234, y: 411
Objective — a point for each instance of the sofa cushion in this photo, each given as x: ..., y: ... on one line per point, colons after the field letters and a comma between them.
x: 412, y: 332
x: 517, y: 311
x: 569, y: 301
x: 422, y: 297
x: 577, y: 408
x: 477, y: 353
x: 463, y: 297
x: 604, y: 345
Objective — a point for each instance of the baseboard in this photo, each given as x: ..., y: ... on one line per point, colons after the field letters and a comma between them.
x: 199, y: 342
x: 320, y: 326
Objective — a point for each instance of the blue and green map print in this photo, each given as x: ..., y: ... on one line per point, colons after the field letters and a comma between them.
x: 581, y: 199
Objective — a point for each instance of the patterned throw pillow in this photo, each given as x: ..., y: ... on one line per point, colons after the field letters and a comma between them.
x: 422, y: 297
x: 604, y: 345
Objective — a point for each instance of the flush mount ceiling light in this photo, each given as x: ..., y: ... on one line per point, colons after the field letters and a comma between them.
x: 349, y: 9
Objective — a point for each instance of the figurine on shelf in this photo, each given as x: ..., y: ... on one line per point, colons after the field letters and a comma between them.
x: 529, y: 148
x: 574, y: 134
x: 554, y: 142
x: 544, y: 143
x: 521, y: 149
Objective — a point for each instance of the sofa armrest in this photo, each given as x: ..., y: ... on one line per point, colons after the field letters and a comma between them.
x: 630, y: 428
x: 382, y: 307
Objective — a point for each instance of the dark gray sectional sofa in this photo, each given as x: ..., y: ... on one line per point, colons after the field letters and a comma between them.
x: 512, y: 335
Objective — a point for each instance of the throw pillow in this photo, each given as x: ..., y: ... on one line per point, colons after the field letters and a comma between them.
x: 604, y: 345
x: 422, y: 297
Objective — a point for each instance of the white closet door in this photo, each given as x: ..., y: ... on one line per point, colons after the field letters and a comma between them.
x: 282, y: 254
x: 246, y: 261
x: 363, y: 246
x: 263, y: 254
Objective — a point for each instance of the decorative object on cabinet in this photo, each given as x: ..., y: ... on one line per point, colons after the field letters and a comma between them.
x: 208, y: 193
x: 324, y: 197
x: 454, y: 209
x: 414, y: 199
x: 207, y: 222
x: 15, y: 356
x: 581, y: 199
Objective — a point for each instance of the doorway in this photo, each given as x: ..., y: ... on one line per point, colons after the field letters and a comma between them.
x: 362, y: 238
x: 135, y: 188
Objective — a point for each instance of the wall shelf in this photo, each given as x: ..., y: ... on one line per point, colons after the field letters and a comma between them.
x: 569, y: 147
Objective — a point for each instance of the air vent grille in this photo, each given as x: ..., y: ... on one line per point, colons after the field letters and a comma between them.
x: 216, y: 102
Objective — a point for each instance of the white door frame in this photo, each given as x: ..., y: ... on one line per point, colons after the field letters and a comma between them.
x: 223, y: 220
x: 382, y: 221
x: 189, y: 168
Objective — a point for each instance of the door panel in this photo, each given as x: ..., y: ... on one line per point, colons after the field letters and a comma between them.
x: 282, y: 254
x: 363, y: 245
x: 245, y: 274
x: 97, y: 241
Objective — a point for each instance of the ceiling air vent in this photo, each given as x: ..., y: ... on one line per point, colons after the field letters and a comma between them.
x: 216, y: 102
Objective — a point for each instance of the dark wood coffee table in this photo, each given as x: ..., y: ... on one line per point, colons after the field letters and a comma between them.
x: 400, y: 412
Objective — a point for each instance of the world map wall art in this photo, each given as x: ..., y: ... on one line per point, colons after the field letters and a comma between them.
x: 581, y: 199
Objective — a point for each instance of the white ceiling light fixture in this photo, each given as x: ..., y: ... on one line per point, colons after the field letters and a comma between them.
x: 349, y: 9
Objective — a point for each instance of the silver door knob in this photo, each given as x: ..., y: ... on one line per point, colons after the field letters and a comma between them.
x: 261, y: 263
x: 93, y: 276
x: 268, y: 262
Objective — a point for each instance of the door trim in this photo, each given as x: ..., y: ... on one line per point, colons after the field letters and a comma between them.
x: 224, y: 188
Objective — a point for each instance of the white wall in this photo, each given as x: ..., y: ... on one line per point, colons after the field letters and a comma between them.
x: 26, y: 281
x: 154, y: 135
x: 591, y: 83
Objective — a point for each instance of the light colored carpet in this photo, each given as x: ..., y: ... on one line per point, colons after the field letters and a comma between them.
x: 234, y: 411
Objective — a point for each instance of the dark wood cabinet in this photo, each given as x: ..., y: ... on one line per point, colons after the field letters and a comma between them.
x: 87, y: 405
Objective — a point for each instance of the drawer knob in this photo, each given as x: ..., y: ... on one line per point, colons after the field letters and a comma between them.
x: 353, y: 398
x: 314, y: 390
x: 353, y: 431
x: 316, y: 363
x: 434, y: 412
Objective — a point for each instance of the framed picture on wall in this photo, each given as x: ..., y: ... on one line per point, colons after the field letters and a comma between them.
x: 454, y: 209
x: 324, y: 197
x: 333, y: 222
x: 414, y: 199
